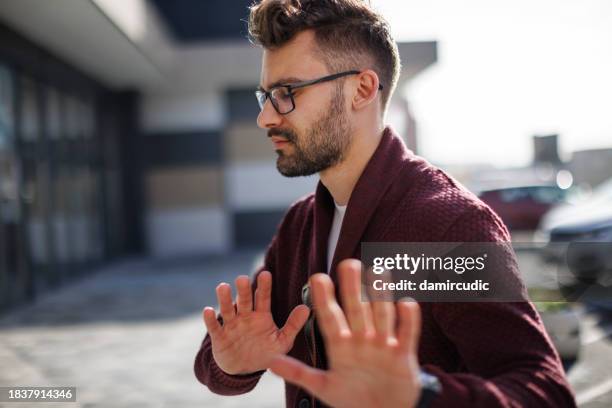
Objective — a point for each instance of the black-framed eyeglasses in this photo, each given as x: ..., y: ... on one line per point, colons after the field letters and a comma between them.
x: 281, y: 96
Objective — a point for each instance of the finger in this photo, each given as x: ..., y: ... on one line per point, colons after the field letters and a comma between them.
x: 296, y: 320
x: 349, y: 275
x: 226, y: 307
x: 409, y: 329
x: 244, y: 298
x: 383, y: 309
x: 311, y: 379
x: 329, y: 314
x: 263, y: 292
x: 210, y: 320
x: 384, y: 318
x: 373, y: 280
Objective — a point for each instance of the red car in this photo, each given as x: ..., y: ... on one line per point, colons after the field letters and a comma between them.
x: 521, y: 208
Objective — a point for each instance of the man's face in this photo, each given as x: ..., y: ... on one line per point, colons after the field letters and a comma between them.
x: 316, y: 135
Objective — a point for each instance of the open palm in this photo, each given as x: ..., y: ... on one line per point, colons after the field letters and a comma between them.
x: 371, y: 362
x: 248, y: 338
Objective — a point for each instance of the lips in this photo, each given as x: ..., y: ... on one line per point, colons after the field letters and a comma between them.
x: 279, y: 142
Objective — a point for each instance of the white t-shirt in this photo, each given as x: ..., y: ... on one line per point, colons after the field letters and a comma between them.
x: 334, y: 233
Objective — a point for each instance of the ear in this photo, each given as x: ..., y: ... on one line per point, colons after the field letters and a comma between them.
x: 367, y: 89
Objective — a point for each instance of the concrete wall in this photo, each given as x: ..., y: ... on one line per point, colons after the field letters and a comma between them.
x: 212, y: 183
x: 211, y: 179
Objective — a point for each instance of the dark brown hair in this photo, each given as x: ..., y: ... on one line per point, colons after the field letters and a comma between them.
x: 349, y: 34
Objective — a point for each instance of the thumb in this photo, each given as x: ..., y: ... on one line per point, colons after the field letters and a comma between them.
x: 311, y: 379
x: 295, y: 322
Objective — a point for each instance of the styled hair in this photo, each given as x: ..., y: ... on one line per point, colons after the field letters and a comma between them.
x: 349, y: 34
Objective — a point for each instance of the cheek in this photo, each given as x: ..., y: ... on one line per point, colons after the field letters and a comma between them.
x: 308, y: 119
x: 296, y: 126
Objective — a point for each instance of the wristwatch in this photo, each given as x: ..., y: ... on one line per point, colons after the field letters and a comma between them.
x: 430, y: 389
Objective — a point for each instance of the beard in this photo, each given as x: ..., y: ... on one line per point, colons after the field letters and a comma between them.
x: 323, y: 145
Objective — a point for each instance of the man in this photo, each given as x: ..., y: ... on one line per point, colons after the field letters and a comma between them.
x: 329, y: 69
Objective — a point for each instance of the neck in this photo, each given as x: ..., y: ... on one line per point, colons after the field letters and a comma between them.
x: 340, y: 179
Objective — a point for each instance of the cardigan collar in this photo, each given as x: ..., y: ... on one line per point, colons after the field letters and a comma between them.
x: 377, y: 176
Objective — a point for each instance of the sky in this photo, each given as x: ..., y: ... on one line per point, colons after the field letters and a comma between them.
x: 507, y: 70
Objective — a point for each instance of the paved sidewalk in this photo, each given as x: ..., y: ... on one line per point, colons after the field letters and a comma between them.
x: 125, y: 337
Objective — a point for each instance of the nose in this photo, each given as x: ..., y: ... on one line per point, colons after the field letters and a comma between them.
x: 268, y: 117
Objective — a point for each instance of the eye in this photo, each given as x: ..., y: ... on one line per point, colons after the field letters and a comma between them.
x: 292, y: 93
x: 282, y: 94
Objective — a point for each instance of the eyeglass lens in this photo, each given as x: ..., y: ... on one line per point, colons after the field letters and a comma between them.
x: 280, y: 97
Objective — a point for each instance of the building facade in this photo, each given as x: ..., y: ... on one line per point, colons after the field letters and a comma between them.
x: 129, y: 128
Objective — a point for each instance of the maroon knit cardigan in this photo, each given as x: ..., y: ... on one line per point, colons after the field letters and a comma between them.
x: 485, y: 354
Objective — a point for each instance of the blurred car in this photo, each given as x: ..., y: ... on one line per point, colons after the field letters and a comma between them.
x: 522, y: 207
x: 580, y: 234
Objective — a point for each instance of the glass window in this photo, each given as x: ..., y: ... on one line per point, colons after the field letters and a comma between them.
x: 30, y: 125
x: 53, y: 113
x: 89, y: 119
x: 547, y: 195
x: 78, y: 213
x: 72, y: 117
x: 35, y: 176
x: 61, y: 217
x: 6, y: 107
x: 511, y: 195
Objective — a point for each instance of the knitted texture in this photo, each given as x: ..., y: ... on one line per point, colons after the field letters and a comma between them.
x: 485, y: 354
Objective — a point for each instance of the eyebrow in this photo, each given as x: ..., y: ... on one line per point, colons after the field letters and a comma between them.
x: 282, y: 81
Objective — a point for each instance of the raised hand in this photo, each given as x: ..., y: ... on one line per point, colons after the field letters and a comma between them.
x: 249, y: 339
x: 371, y: 363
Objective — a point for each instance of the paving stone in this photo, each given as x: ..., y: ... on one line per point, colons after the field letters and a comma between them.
x: 125, y: 336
